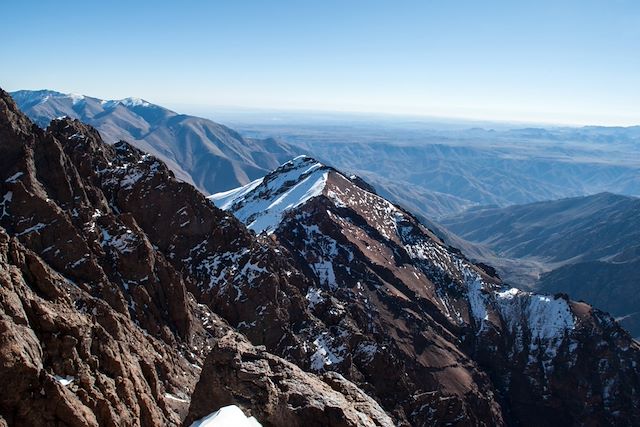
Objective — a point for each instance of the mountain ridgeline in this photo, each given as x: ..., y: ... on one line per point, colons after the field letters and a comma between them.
x: 128, y: 298
x: 207, y: 155
x: 432, y: 319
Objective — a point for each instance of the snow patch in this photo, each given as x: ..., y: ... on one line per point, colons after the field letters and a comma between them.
x: 314, y: 297
x: 75, y: 98
x: 175, y: 398
x: 65, y: 381
x: 13, y: 178
x: 8, y: 196
x: 227, y: 416
x: 325, y: 354
x: 39, y: 226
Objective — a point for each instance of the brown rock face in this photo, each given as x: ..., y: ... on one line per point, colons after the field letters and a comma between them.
x: 277, y: 392
x: 118, y: 281
x: 105, y: 263
x: 71, y: 359
x: 435, y: 338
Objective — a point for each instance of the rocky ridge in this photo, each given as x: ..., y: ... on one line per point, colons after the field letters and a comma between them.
x: 107, y: 310
x: 208, y: 155
x: 466, y: 348
x: 343, y: 284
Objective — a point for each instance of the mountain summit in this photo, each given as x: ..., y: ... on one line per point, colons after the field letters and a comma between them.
x: 404, y: 303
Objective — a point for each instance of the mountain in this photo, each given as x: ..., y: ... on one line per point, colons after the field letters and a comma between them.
x: 588, y: 247
x: 437, y: 172
x: 107, y: 317
x: 203, y: 153
x: 128, y: 298
x: 446, y: 332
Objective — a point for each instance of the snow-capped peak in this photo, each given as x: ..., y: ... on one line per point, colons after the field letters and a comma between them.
x: 75, y: 98
x: 134, y: 102
x: 126, y: 102
x: 262, y: 203
x: 42, y: 96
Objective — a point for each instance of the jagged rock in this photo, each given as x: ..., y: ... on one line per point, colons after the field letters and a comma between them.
x: 118, y: 280
x: 99, y: 247
x: 70, y: 359
x: 278, y: 393
x: 396, y: 300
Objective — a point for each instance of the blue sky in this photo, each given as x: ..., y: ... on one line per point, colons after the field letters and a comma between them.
x: 547, y: 61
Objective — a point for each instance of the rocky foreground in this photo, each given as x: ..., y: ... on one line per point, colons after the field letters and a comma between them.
x: 128, y: 298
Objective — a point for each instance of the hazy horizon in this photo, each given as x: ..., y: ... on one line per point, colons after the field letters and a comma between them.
x: 246, y: 114
x: 572, y: 62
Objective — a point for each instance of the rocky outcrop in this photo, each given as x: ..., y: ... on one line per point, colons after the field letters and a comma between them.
x: 107, y: 267
x: 464, y: 347
x: 278, y: 393
x: 71, y: 359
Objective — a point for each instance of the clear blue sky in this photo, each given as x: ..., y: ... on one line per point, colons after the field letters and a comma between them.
x: 554, y: 61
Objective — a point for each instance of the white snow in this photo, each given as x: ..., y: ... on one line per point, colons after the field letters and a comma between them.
x: 5, y: 200
x: 368, y: 350
x: 123, y: 243
x: 325, y: 273
x: 65, y: 381
x: 39, y: 226
x: 547, y: 317
x: 175, y: 398
x: 226, y: 199
x: 130, y: 178
x: 13, y: 178
x: 227, y: 416
x: 261, y: 204
x: 325, y: 354
x: 476, y: 301
x: 75, y: 98
x: 134, y: 102
x: 314, y: 297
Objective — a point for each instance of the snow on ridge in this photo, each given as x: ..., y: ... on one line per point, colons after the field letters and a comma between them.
x: 546, y: 320
x: 224, y: 200
x: 127, y: 102
x: 75, y: 98
x: 262, y: 203
x: 227, y: 416
x: 547, y: 317
x: 134, y: 102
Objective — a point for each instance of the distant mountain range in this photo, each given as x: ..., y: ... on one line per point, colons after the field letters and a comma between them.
x: 588, y: 247
x: 208, y: 155
x: 440, y: 172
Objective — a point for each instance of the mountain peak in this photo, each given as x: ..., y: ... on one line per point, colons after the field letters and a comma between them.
x: 130, y: 102
x: 35, y: 97
x: 262, y: 203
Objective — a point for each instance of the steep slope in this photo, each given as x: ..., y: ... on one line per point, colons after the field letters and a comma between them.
x: 105, y: 315
x: 203, y: 153
x: 341, y: 280
x: 403, y: 303
x: 588, y: 247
